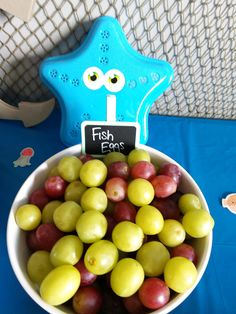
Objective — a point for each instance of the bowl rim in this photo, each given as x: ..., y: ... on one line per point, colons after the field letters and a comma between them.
x: 46, y: 165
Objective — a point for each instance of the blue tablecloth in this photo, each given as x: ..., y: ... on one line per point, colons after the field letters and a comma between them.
x: 205, y: 148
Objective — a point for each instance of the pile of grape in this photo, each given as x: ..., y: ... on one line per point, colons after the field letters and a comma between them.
x: 113, y: 234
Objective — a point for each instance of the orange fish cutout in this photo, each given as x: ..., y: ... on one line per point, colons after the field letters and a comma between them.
x: 25, y: 155
x: 230, y: 202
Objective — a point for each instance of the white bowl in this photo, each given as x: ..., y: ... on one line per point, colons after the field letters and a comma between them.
x: 19, y: 253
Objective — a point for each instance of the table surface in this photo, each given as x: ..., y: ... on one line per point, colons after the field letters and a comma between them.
x: 205, y: 148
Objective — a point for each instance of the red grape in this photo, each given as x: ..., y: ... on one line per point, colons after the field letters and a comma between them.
x: 32, y: 241
x: 112, y: 303
x: 85, y: 157
x: 55, y: 186
x: 110, y: 224
x: 172, y: 171
x: 86, y: 277
x: 47, y: 235
x: 124, y: 210
x: 163, y: 185
x: 143, y: 169
x: 167, y: 207
x: 39, y: 198
x: 133, y: 304
x: 185, y: 250
x: 87, y: 300
x: 175, y: 197
x: 115, y: 189
x: 154, y: 293
x: 119, y: 169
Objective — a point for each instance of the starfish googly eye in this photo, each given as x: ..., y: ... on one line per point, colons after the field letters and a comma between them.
x: 93, y: 78
x: 114, y: 80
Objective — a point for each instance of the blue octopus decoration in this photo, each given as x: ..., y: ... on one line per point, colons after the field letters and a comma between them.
x: 105, y: 67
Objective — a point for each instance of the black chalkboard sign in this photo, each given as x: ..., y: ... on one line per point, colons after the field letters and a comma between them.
x: 100, y: 138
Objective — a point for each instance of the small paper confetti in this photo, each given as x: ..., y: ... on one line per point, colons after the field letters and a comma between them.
x: 24, y: 159
x: 230, y: 202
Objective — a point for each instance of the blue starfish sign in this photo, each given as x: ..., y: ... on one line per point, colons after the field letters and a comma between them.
x: 105, y: 79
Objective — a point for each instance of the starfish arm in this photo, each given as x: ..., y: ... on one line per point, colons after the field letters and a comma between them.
x: 146, y: 103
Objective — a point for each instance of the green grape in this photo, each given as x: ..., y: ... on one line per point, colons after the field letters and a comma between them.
x: 150, y: 219
x: 153, y: 257
x: 91, y: 226
x: 67, y: 250
x: 48, y: 211
x: 127, y: 236
x: 172, y: 233
x: 53, y: 172
x: 39, y: 265
x: 93, y: 173
x: 74, y: 191
x: 66, y: 215
x: 60, y: 285
x: 136, y: 155
x: 113, y: 157
x: 180, y: 274
x: 94, y: 199
x: 28, y: 217
x: 198, y: 223
x: 101, y: 257
x: 126, y: 277
x: 69, y: 168
x: 188, y: 202
x: 140, y: 192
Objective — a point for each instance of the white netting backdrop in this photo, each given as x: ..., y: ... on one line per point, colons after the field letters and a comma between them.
x: 198, y: 38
